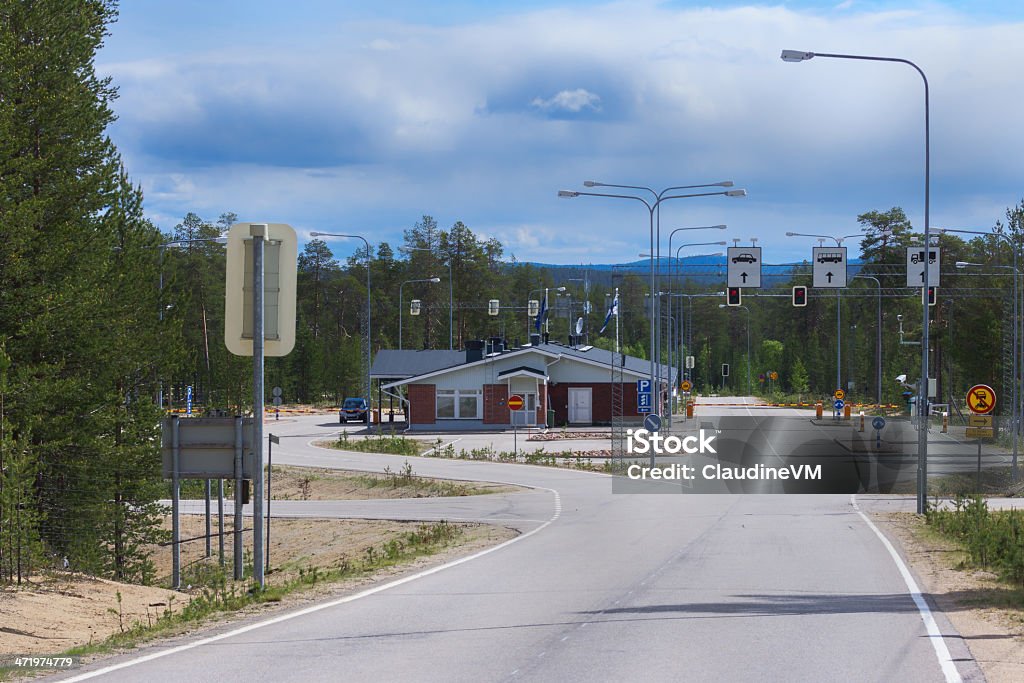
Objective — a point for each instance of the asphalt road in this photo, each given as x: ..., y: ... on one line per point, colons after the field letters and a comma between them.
x: 599, y: 587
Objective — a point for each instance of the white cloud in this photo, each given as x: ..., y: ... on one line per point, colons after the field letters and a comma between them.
x: 569, y: 100
x: 333, y: 128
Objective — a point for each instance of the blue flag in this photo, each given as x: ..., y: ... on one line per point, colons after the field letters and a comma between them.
x: 612, y: 310
x: 540, y: 315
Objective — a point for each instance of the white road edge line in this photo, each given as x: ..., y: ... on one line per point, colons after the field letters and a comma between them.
x: 949, y: 669
x: 322, y: 606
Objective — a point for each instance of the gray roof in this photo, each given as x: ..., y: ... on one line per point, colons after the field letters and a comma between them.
x: 392, y: 364
x: 395, y: 364
x: 638, y: 365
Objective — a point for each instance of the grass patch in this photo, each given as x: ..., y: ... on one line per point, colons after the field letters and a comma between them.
x: 992, y: 540
x: 539, y: 456
x: 381, y: 443
x: 219, y: 594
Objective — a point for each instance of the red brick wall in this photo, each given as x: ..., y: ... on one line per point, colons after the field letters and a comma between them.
x: 495, y: 408
x: 600, y: 397
x: 422, y: 404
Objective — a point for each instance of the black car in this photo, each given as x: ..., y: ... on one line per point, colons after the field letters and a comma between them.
x: 354, y: 409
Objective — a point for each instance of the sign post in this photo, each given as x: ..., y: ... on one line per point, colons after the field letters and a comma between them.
x: 829, y: 267
x: 515, y: 404
x: 267, y: 327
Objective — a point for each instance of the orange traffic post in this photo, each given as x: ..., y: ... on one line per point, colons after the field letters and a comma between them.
x: 945, y: 423
x: 861, y: 421
x: 847, y: 409
x: 817, y: 409
x: 689, y: 409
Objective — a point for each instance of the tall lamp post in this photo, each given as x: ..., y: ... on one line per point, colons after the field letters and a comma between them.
x: 878, y: 339
x: 922, y: 395
x: 545, y: 290
x: 749, y: 388
x: 369, y: 349
x: 400, y: 305
x: 1015, y: 413
x: 839, y: 310
x: 653, y: 207
x: 162, y: 248
x: 451, y: 298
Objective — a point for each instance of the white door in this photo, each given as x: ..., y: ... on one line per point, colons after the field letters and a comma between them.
x: 580, y: 411
x: 527, y: 417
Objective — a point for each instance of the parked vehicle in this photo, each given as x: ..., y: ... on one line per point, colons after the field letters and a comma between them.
x: 355, y: 409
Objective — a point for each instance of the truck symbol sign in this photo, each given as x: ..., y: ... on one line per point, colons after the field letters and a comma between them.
x: 918, y: 257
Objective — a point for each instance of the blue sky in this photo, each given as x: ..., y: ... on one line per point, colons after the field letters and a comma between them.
x: 364, y: 116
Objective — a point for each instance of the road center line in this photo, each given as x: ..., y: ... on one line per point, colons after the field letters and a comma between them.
x: 949, y: 669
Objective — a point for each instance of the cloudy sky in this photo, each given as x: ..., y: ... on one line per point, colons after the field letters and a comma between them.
x: 362, y: 116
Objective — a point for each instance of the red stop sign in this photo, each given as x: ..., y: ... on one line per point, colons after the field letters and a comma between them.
x: 516, y: 402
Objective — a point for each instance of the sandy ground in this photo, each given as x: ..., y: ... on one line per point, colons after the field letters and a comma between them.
x: 969, y: 598
x: 50, y: 614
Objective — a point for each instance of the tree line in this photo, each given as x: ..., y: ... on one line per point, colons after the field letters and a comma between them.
x: 105, y: 320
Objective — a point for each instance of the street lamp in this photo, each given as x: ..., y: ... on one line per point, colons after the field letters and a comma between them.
x: 839, y: 310
x: 545, y: 290
x: 1015, y: 412
x: 652, y: 207
x: 400, y: 300
x: 922, y: 397
x: 369, y: 348
x: 749, y: 388
x: 162, y: 247
x: 451, y: 299
x: 878, y: 340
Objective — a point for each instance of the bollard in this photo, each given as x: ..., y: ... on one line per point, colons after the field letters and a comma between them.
x: 817, y: 410
x: 861, y: 421
x: 689, y: 409
x: 847, y: 409
x: 945, y: 423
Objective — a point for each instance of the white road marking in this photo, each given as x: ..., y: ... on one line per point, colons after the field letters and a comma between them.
x: 949, y: 669
x: 322, y: 606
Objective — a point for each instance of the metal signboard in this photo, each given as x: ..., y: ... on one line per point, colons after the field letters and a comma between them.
x: 916, y: 260
x: 744, y: 267
x: 829, y: 264
x: 981, y: 399
x: 979, y: 420
x: 516, y: 402
x: 206, y: 448
x: 979, y: 433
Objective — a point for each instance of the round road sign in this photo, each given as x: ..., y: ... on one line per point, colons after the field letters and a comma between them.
x: 839, y: 405
x: 516, y: 402
x: 839, y: 395
x: 686, y: 385
x: 652, y: 422
x: 878, y: 422
x: 773, y: 375
x: 981, y: 399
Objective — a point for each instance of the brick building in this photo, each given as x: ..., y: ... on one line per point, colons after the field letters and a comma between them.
x: 469, y: 390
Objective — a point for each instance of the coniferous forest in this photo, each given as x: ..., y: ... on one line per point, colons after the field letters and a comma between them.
x: 104, y: 316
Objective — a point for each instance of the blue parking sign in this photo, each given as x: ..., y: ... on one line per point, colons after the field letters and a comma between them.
x: 643, y: 386
x: 643, y: 400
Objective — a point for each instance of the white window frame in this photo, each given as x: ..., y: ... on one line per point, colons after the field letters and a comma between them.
x: 457, y: 395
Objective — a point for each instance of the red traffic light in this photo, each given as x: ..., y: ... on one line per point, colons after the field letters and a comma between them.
x: 932, y: 294
x: 733, y: 296
x: 800, y: 295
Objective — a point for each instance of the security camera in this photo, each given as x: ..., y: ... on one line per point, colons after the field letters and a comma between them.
x: 901, y: 378
x: 899, y: 318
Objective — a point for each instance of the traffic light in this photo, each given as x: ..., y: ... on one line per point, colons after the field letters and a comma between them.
x: 733, y: 296
x: 800, y: 295
x: 725, y: 369
x: 932, y: 294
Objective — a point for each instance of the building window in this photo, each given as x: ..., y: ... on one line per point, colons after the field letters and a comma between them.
x: 459, y: 404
